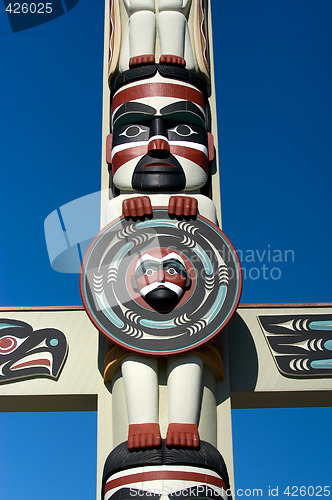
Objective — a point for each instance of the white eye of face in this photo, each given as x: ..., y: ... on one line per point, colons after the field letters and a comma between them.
x: 171, y: 271
x: 132, y: 131
x: 183, y: 130
x: 149, y: 272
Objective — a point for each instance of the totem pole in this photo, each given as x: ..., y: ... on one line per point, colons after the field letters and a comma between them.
x: 161, y: 280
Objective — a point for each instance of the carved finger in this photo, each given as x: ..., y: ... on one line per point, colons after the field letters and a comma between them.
x: 147, y: 205
x: 125, y: 208
x: 157, y: 440
x: 189, y: 440
x: 130, y: 443
x: 149, y: 440
x: 179, y: 206
x: 171, y: 205
x: 195, y: 441
x: 182, y: 438
x: 190, y: 207
x: 194, y: 207
x: 142, y: 441
x: 176, y: 439
x: 136, y: 441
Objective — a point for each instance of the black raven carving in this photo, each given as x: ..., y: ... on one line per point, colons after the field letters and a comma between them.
x: 25, y: 353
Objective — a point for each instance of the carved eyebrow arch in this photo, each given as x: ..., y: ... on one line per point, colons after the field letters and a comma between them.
x: 184, y: 111
x: 131, y: 112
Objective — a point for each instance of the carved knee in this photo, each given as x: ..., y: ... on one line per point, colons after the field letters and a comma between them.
x: 182, y: 6
x: 133, y: 6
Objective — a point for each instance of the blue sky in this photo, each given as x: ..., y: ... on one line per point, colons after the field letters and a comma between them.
x: 273, y: 78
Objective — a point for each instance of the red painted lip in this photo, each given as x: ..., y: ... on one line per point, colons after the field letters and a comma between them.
x: 158, y: 164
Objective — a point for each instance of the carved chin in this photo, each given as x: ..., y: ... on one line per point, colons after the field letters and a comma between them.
x: 162, y: 299
x: 156, y: 178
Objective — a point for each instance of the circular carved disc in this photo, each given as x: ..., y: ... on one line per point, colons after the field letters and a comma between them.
x: 115, y: 306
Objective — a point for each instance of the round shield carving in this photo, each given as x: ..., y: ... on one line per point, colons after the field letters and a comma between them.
x: 197, y: 251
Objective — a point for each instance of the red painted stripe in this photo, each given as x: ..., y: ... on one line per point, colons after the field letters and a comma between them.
x: 191, y: 154
x: 156, y: 89
x: 121, y: 157
x: 39, y: 362
x: 194, y: 155
x: 165, y: 474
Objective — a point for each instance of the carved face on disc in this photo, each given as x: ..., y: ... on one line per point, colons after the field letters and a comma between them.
x: 160, y: 142
x: 161, y: 278
x: 160, y: 286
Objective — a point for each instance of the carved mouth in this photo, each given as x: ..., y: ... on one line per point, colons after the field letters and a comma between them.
x: 154, y: 175
x: 38, y: 360
x: 159, y: 164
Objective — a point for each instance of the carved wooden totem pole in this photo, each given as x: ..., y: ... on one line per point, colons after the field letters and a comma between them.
x: 161, y: 280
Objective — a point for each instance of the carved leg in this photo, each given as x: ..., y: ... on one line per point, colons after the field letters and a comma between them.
x: 172, y: 27
x: 142, y: 31
x: 140, y: 376
x: 184, y: 386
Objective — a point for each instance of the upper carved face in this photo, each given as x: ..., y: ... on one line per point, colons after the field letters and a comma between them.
x: 160, y: 142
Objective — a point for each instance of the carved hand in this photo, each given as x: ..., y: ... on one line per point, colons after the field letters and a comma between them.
x: 137, y: 207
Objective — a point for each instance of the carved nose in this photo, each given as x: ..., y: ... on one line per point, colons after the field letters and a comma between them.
x: 161, y: 275
x: 158, y: 144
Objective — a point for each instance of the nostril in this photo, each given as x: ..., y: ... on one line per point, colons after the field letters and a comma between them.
x: 159, y: 153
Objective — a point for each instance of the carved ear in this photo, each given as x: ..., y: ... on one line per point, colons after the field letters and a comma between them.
x: 133, y: 283
x: 109, y: 142
x: 211, y: 146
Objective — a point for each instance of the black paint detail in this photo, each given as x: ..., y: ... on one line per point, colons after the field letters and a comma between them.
x: 167, y: 71
x: 298, y: 344
x: 162, y: 299
x: 161, y: 174
x: 159, y: 179
x: 192, y: 112
x: 206, y: 457
x: 25, y: 353
x: 133, y: 110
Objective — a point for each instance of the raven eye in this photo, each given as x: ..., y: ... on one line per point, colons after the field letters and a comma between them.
x: 132, y: 131
x: 8, y: 344
x: 183, y: 130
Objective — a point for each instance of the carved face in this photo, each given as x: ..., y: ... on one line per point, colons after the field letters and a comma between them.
x: 161, y: 278
x: 160, y: 143
x: 165, y: 482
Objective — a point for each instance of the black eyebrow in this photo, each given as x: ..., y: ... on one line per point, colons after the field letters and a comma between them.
x: 173, y: 262
x: 143, y: 266
x: 131, y: 112
x: 186, y: 110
